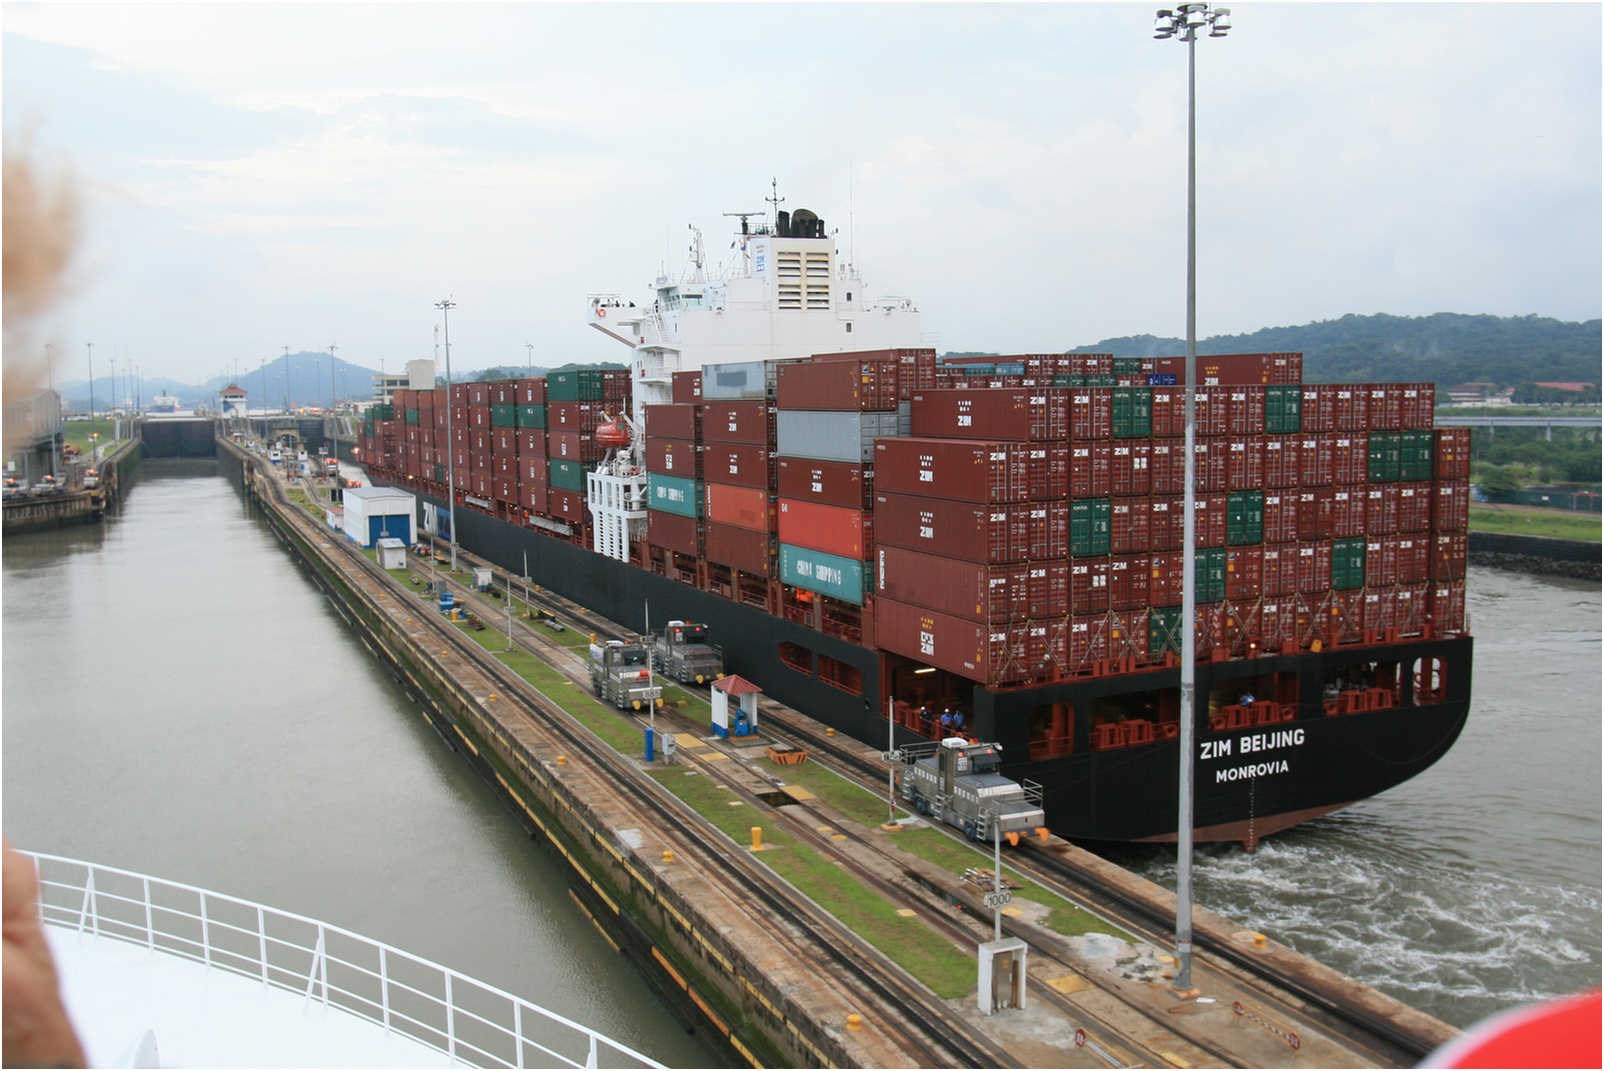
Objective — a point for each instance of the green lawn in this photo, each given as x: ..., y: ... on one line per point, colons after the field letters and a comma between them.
x: 77, y: 432
x: 1523, y: 520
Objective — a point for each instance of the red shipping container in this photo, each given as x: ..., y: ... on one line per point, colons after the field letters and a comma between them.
x: 1128, y: 585
x: 1046, y: 529
x: 741, y: 507
x: 504, y: 465
x: 1379, y: 608
x: 830, y: 483
x: 1410, y: 616
x: 972, y: 532
x: 993, y: 594
x: 966, y: 648
x: 1244, y: 464
x: 847, y: 533
x: 1090, y: 469
x: 1091, y: 413
x: 479, y: 440
x: 534, y: 472
x: 1088, y: 585
x: 673, y: 422
x: 568, y: 505
x: 1319, y: 409
x: 503, y: 441
x: 1127, y: 634
x: 972, y: 472
x: 441, y: 417
x: 1209, y: 520
x: 578, y: 446
x: 1450, y: 506
x: 504, y: 489
x: 479, y: 484
x: 1164, y: 579
x: 742, y: 465
x: 1345, y: 616
x: 1278, y: 621
x: 1347, y: 407
x: 1209, y: 461
x: 573, y: 416
x: 688, y: 387
x: 851, y: 386
x: 1030, y: 415
x: 1381, y: 509
x: 1384, y: 407
x: 738, y: 422
x: 412, y: 435
x: 1347, y: 512
x: 615, y: 384
x: 459, y: 418
x: 1448, y: 555
x: 1088, y: 641
x: 479, y: 395
x: 1314, y: 567
x: 1169, y: 412
x: 459, y: 394
x: 1381, y: 561
x: 1281, y: 460
x: 1314, y: 513
x: 1165, y: 524
x: 674, y: 457
x: 1129, y: 467
x: 1245, y: 410
x: 1414, y: 507
x: 1209, y: 628
x: 501, y: 392
x: 1350, y: 457
x: 1279, y: 569
x: 479, y: 418
x: 1280, y: 516
x: 1316, y: 459
x: 1085, y: 364
x: 532, y: 498
x: 1244, y: 573
x: 480, y: 460
x: 1414, y: 558
x: 1445, y: 607
x: 1419, y: 405
x: 1452, y: 460
x: 461, y: 462
x: 530, y: 391
x: 1128, y: 520
x: 672, y: 531
x: 1211, y: 411
x: 745, y: 549
x: 1166, y: 462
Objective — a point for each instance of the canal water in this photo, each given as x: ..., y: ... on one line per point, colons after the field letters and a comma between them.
x: 1475, y: 886
x: 180, y: 700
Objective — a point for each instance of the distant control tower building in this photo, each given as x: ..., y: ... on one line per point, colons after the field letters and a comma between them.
x: 233, y: 401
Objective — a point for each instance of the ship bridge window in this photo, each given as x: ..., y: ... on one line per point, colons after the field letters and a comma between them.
x: 849, y: 327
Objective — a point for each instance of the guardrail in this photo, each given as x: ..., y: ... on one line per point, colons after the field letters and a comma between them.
x: 471, y: 1022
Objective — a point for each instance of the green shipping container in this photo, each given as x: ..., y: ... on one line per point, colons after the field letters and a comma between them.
x: 1069, y: 379
x: 1127, y: 366
x: 412, y: 417
x: 1133, y: 412
x: 1283, y: 410
x: 679, y: 495
x: 1348, y: 563
x: 568, y: 475
x: 828, y: 574
x: 1164, y: 629
x: 439, y: 474
x: 532, y: 416
x: 1090, y: 527
x: 1102, y: 379
x: 1384, y: 456
x: 383, y: 412
x: 1244, y: 518
x: 504, y: 415
x: 1209, y: 565
x: 1415, y: 454
x: 575, y: 385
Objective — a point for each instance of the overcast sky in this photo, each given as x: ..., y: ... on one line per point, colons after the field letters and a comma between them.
x: 261, y: 176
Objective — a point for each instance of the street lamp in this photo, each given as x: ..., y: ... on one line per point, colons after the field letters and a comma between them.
x: 1183, y: 24
x: 445, y: 305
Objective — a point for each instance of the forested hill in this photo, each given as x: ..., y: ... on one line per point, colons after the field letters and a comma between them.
x: 1446, y: 348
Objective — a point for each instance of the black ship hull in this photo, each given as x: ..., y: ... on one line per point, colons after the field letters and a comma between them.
x: 1249, y: 782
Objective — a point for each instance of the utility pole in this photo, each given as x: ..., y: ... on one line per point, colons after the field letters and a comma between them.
x: 332, y: 348
x: 445, y: 305
x: 91, y: 347
x: 530, y: 346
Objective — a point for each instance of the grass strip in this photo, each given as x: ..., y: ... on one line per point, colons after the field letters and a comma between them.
x: 1503, y: 520
x: 929, y: 957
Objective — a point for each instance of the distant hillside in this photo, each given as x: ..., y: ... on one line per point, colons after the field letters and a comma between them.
x: 1445, y: 348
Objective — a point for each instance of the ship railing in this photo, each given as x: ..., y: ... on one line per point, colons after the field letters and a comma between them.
x: 473, y: 1023
x: 1032, y: 790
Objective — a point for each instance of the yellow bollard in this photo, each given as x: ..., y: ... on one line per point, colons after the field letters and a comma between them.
x: 1258, y: 940
x: 829, y: 732
x: 854, y: 1021
x: 757, y: 838
x: 668, y: 855
x: 562, y: 760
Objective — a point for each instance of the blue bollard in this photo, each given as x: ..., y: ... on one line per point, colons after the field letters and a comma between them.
x: 649, y: 744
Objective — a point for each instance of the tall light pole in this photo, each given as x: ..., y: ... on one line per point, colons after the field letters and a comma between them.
x: 332, y: 348
x: 530, y: 346
x: 286, y: 381
x: 50, y: 374
x: 91, y: 347
x: 445, y: 305
x: 1183, y: 24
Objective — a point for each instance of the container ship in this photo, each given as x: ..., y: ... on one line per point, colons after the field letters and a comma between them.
x: 987, y: 546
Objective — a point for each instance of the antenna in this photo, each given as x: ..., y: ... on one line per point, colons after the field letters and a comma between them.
x: 744, y: 217
x: 851, y: 248
x: 776, y: 200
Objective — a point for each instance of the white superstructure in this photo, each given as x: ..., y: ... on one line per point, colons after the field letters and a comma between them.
x: 786, y: 293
